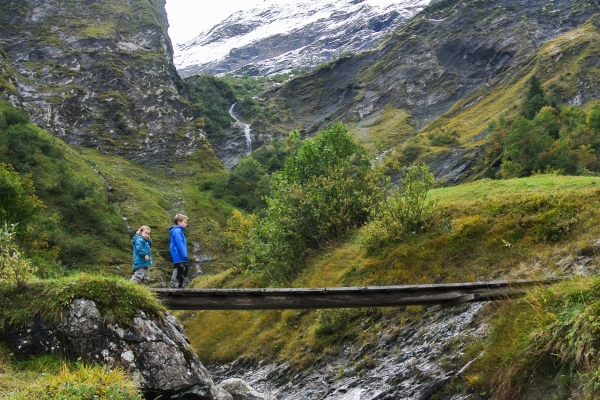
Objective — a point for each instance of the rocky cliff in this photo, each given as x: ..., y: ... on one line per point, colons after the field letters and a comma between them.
x: 99, y: 74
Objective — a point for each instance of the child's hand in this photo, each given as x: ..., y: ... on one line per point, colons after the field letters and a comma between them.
x: 146, y: 257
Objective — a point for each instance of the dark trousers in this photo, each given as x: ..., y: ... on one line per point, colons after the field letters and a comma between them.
x: 180, y: 272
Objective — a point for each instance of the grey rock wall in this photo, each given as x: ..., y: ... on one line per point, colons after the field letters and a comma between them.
x: 100, y: 75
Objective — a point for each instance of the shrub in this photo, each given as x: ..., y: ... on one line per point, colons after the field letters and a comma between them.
x: 15, y: 116
x: 15, y: 269
x: 443, y: 138
x: 18, y: 203
x: 404, y: 210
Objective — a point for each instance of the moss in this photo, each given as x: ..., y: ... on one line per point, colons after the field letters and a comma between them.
x: 105, y: 30
x: 117, y: 299
x: 54, y: 100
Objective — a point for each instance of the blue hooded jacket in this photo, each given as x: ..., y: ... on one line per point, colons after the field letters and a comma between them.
x: 141, y: 248
x: 178, y: 245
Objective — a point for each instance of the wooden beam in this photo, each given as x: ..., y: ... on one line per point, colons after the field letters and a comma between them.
x: 343, y: 297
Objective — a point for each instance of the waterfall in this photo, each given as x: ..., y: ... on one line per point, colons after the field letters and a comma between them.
x: 246, y: 128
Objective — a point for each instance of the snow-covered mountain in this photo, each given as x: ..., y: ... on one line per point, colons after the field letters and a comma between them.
x: 281, y: 35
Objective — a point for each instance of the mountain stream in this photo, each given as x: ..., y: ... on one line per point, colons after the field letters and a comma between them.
x: 412, y: 363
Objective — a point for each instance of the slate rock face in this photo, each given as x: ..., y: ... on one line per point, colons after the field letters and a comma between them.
x: 155, y: 352
x: 100, y: 75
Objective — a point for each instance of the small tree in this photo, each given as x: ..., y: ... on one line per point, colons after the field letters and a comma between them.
x: 325, y: 190
x: 534, y: 99
x: 522, y: 147
x: 18, y: 202
x: 15, y: 269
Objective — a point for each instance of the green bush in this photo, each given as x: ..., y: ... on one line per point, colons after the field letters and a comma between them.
x: 324, y: 191
x: 443, y: 138
x: 14, y: 116
x: 404, y: 210
x: 18, y: 203
x: 15, y: 268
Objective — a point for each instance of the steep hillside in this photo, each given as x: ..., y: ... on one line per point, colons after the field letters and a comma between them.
x: 448, y: 59
x: 100, y: 74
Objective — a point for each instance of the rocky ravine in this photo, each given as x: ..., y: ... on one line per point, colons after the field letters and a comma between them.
x: 412, y: 363
x: 100, y: 75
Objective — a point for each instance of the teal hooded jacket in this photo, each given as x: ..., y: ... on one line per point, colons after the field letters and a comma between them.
x: 141, y: 248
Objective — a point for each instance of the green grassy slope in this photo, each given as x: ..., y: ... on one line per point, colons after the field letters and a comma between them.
x: 94, y: 202
x: 486, y: 230
x: 566, y: 66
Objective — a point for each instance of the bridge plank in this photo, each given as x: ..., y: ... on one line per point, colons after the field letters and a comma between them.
x: 343, y: 297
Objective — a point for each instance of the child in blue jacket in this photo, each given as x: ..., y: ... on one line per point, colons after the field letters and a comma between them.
x: 179, y: 254
x: 141, y: 255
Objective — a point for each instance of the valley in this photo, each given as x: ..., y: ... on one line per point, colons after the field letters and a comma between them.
x: 458, y: 143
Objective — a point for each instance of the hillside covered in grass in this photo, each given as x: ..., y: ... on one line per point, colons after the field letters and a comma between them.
x: 536, y: 227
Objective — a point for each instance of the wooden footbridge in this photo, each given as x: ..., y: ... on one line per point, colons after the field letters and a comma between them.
x: 442, y: 295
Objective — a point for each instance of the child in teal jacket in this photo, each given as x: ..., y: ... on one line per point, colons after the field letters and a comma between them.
x: 141, y: 255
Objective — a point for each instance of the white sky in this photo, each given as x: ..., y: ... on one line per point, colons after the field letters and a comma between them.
x: 187, y: 18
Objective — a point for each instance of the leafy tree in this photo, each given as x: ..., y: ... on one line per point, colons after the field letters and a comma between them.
x: 249, y: 182
x: 325, y: 190
x: 332, y: 147
x: 522, y: 147
x: 547, y: 120
x: 593, y: 119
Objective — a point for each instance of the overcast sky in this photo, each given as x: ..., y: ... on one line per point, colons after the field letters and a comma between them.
x: 187, y: 18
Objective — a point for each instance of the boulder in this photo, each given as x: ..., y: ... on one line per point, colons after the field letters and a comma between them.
x: 155, y: 351
x: 241, y: 390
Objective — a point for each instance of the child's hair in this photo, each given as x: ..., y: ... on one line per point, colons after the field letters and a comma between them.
x: 142, y: 229
x: 178, y: 218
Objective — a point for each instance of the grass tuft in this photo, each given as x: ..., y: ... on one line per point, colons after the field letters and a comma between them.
x: 117, y: 299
